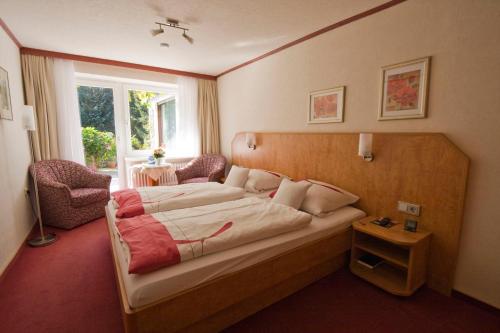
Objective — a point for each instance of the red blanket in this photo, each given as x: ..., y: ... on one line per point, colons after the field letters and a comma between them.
x: 129, y: 203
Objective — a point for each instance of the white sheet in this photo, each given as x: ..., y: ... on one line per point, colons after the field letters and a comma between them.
x: 148, y: 288
x: 262, y: 195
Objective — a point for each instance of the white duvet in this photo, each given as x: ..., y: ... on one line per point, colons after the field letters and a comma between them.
x: 148, y: 200
x: 168, y: 238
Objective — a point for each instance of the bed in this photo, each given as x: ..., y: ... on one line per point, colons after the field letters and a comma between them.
x: 214, y: 291
x: 147, y: 200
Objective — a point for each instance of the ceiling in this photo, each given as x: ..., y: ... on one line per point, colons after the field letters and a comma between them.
x: 226, y: 32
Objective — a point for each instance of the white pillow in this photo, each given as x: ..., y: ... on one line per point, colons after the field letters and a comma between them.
x: 237, y: 176
x: 262, y: 180
x: 322, y: 198
x: 290, y: 193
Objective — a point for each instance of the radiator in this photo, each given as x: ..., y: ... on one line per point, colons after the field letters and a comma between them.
x: 138, y: 179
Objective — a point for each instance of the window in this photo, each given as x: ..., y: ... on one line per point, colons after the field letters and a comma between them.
x: 97, y: 116
x: 145, y: 127
x: 167, y: 126
x: 141, y: 127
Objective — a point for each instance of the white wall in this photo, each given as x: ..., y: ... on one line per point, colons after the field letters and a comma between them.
x: 464, y: 101
x: 15, y: 212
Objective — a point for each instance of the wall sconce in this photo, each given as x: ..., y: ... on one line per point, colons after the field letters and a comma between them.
x: 251, y: 141
x: 365, y: 146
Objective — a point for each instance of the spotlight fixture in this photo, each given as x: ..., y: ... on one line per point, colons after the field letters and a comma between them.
x: 188, y: 38
x: 156, y: 32
x: 171, y: 23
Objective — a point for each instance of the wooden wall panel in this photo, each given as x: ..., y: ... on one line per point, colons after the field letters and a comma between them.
x: 423, y: 168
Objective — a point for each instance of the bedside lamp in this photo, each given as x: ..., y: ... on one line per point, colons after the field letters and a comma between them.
x: 365, y: 146
x: 29, y: 125
x: 251, y: 140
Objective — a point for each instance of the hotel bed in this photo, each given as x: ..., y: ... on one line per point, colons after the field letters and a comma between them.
x: 212, y: 291
x: 145, y: 289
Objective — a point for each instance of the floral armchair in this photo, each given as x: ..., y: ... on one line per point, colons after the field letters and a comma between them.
x: 206, y: 168
x: 70, y: 194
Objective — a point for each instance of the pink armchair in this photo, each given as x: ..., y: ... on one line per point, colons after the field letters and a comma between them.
x: 70, y: 194
x: 206, y: 168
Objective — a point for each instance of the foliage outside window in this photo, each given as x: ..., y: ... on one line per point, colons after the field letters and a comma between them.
x: 140, y: 104
x: 99, y: 147
x: 96, y: 108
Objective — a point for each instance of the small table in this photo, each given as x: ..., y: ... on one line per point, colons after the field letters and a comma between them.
x: 154, y: 171
x: 404, y: 255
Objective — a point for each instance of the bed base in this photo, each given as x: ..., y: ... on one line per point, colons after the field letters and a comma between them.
x: 219, y: 303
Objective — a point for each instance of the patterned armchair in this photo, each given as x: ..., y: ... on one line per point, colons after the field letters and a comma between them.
x: 206, y: 168
x: 70, y: 194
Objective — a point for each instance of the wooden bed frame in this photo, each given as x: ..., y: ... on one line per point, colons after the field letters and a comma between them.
x: 423, y: 168
x: 221, y: 302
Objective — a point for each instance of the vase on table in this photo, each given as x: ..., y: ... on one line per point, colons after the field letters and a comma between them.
x: 157, y: 161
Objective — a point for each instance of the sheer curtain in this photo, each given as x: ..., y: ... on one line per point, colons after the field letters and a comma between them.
x: 68, y: 115
x: 187, y: 137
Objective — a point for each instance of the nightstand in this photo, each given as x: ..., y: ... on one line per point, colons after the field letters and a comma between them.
x: 404, y: 255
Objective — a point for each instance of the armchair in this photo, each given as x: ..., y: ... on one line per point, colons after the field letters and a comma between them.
x: 70, y: 194
x: 206, y: 168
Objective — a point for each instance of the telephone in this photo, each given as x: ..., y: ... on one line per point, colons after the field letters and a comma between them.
x: 383, y: 222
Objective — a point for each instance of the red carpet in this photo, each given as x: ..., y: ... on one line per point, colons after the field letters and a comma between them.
x: 70, y: 287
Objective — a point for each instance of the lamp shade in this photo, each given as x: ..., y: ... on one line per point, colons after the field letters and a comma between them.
x: 365, y: 144
x: 250, y: 140
x: 29, y: 123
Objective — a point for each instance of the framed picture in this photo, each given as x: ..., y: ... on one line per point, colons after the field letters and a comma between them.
x: 5, y: 105
x: 404, y: 90
x: 326, y: 106
x: 410, y: 225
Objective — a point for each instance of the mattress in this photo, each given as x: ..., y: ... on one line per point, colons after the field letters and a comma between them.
x: 144, y: 289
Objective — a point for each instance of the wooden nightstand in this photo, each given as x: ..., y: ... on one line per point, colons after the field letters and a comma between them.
x: 404, y: 253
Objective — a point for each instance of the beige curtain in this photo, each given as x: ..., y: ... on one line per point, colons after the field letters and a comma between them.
x: 38, y: 77
x: 208, y: 117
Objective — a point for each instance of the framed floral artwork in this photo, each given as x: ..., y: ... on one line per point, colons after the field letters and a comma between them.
x: 404, y: 90
x: 5, y: 105
x: 326, y: 106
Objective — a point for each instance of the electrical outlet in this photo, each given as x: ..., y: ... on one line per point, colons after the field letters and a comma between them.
x: 409, y: 208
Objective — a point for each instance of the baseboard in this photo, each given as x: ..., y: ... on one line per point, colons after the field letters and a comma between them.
x: 18, y: 252
x: 469, y: 299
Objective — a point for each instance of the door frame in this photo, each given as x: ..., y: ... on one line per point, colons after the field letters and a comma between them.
x: 119, y: 121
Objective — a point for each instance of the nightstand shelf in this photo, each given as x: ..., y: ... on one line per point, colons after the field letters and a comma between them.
x: 387, y: 251
x: 404, y: 256
x: 386, y: 276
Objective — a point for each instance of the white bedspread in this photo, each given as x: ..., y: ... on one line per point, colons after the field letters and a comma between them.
x: 169, y: 238
x: 147, y: 200
x: 143, y: 289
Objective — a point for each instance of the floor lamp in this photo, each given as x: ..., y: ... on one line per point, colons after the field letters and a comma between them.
x: 30, y: 126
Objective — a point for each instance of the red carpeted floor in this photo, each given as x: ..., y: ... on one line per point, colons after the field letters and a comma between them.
x: 70, y: 287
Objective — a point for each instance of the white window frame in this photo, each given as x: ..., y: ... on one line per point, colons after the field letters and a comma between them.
x: 118, y: 116
x: 120, y: 87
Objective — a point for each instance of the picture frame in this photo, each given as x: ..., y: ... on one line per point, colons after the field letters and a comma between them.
x: 5, y: 101
x: 326, y: 106
x: 404, y: 89
x: 410, y: 225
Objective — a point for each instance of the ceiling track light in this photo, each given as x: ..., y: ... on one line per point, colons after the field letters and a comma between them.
x: 156, y: 32
x: 171, y: 23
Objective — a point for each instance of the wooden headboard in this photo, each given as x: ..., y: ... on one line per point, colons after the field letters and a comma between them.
x: 423, y: 168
